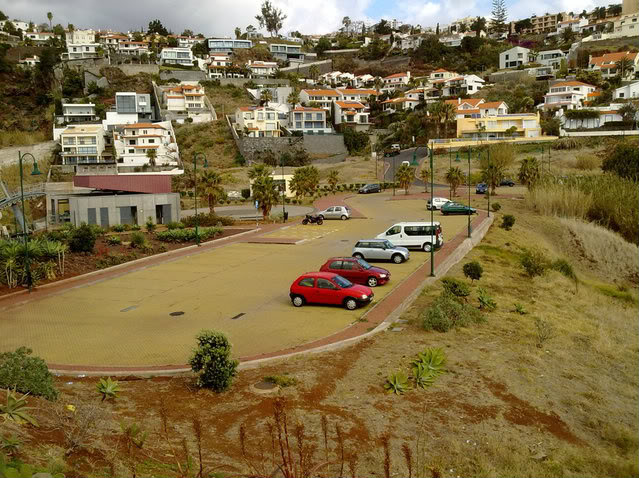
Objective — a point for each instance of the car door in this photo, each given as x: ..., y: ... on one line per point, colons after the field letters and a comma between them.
x: 327, y: 292
x: 328, y: 214
x: 379, y: 251
x: 335, y: 267
x: 307, y: 289
x: 352, y: 271
x: 394, y: 234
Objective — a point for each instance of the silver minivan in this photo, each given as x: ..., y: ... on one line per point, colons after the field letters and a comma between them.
x: 380, y: 249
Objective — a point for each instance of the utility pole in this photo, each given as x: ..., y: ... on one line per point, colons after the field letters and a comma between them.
x: 469, y: 152
x: 432, y: 228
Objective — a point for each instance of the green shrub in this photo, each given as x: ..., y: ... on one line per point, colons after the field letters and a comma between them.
x: 473, y: 270
x: 187, y: 235
x: 520, y: 309
x: 507, y: 222
x: 281, y: 380
x: 495, y: 206
x: 82, y: 239
x: 150, y: 225
x: 586, y: 162
x: 113, y: 240
x: 428, y: 365
x: 108, y: 388
x: 397, y: 383
x: 205, y: 220
x: 118, y: 228
x: 565, y: 268
x: 138, y: 240
x: 211, y: 361
x: 136, y: 227
x: 447, y: 312
x: 486, y: 302
x: 456, y: 287
x: 534, y: 262
x: 175, y: 225
x: 26, y: 374
x: 15, y: 409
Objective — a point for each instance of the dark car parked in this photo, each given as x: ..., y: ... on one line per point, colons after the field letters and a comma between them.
x: 357, y: 271
x: 507, y: 182
x: 481, y: 188
x: 370, y: 188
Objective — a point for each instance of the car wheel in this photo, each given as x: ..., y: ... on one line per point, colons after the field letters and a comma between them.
x: 397, y: 258
x: 372, y: 282
x: 427, y: 247
x: 344, y: 217
x: 358, y: 255
x: 298, y: 301
x: 320, y: 217
x: 350, y: 303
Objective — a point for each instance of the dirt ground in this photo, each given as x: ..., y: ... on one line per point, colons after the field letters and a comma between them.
x: 505, y: 406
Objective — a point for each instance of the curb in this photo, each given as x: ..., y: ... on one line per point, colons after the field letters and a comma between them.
x: 456, y: 255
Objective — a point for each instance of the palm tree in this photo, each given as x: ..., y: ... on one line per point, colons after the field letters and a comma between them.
x: 265, y: 96
x: 294, y: 98
x: 448, y: 113
x: 435, y: 111
x: 378, y: 83
x: 259, y: 170
x: 623, y: 66
x: 266, y: 192
x: 404, y: 176
x: 529, y: 172
x: 333, y: 179
x: 454, y: 177
x: 313, y: 72
x: 628, y: 112
x: 424, y: 175
x: 50, y: 17
x: 151, y: 154
x: 211, y: 182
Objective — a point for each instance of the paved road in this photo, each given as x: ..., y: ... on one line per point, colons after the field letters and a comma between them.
x: 407, y: 155
x: 240, y: 289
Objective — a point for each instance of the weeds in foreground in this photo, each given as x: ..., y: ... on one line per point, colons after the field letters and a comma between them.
x: 545, y: 331
x: 397, y: 383
x: 108, y: 388
x: 15, y: 409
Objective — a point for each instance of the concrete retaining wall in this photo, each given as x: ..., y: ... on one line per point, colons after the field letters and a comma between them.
x: 130, y: 70
x: 325, y: 66
x: 183, y: 75
x: 601, y: 133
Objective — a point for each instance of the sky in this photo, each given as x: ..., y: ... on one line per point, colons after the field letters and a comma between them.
x: 220, y: 17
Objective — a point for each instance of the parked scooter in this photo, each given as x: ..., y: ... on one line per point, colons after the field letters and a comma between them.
x: 313, y: 219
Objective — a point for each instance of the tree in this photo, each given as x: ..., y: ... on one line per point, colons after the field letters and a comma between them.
x: 435, y: 110
x: 3, y: 16
x: 50, y: 17
x: 137, y: 36
x: 424, y: 175
x: 271, y: 18
x: 10, y: 28
x: 624, y: 66
x: 70, y: 27
x: 521, y: 25
x: 628, y: 112
x: 355, y: 141
x: 494, y: 165
x: 238, y: 32
x: 383, y: 28
x: 266, y: 193
x: 529, y: 172
x: 211, y: 360
x: 322, y: 45
x: 155, y: 26
x: 568, y: 36
x: 404, y: 176
x: 454, y: 177
x: 200, y: 49
x: 305, y: 181
x: 265, y: 96
x: 473, y: 270
x: 346, y: 21
x: 448, y: 113
x: 172, y: 42
x: 294, y: 98
x: 333, y: 179
x: 624, y: 161
x: 152, y: 154
x: 187, y: 33
x: 437, y: 29
x: 499, y: 16
x: 59, y: 30
x: 211, y: 182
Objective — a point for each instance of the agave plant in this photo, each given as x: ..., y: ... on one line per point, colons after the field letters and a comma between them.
x: 397, y: 383
x: 15, y: 409
x: 10, y: 444
x: 10, y: 260
x: 48, y: 269
x: 108, y: 388
x: 422, y: 375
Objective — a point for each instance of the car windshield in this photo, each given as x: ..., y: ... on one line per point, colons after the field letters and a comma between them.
x: 343, y: 283
x: 389, y: 245
x: 364, y: 264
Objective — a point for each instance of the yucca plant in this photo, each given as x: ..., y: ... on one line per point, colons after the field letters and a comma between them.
x: 10, y: 444
x: 108, y: 388
x: 15, y: 409
x: 397, y: 383
x: 48, y: 270
x: 432, y: 360
x: 422, y: 375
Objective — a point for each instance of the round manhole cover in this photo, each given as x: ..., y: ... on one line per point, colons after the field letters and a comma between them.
x: 176, y: 314
x: 265, y: 387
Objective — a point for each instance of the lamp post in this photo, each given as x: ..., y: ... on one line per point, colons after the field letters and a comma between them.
x: 197, y: 219
x: 283, y: 191
x: 25, y: 227
x: 469, y: 152
x: 488, y: 186
x: 432, y: 187
x: 393, y: 157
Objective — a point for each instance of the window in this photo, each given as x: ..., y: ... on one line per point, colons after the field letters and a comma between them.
x: 335, y: 265
x: 270, y: 116
x: 131, y: 141
x: 325, y: 284
x: 394, y: 230
x: 348, y: 266
x: 132, y: 151
x: 307, y: 282
x: 152, y: 140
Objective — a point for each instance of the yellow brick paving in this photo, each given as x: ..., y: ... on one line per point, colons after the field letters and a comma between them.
x: 125, y: 320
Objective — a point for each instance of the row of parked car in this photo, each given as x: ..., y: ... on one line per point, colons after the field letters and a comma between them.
x: 347, y: 281
x: 446, y: 206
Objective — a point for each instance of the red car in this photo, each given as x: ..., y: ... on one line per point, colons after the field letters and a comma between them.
x: 357, y: 270
x: 328, y: 288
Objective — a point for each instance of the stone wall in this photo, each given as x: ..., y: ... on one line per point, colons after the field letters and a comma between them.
x: 325, y: 66
x: 183, y: 75
x: 261, y: 81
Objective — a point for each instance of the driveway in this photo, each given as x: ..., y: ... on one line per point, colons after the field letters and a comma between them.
x: 238, y: 212
x: 40, y: 151
x: 150, y: 316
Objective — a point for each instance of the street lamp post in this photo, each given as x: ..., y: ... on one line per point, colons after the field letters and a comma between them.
x: 25, y: 227
x: 393, y: 157
x: 432, y: 187
x: 197, y: 219
x: 283, y: 191
x: 488, y: 186
x: 469, y: 152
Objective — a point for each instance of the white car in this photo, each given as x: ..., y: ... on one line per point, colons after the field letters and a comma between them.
x: 335, y: 212
x: 438, y: 202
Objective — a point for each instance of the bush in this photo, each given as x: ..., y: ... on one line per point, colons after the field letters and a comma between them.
x: 211, y: 361
x: 118, y: 228
x: 355, y: 141
x: 246, y: 193
x: 113, y: 240
x: 473, y: 270
x: 624, y: 161
x: 534, y: 262
x: 565, y: 268
x: 486, y: 302
x: 26, y: 374
x: 150, y: 225
x: 210, y: 219
x: 566, y: 143
x: 507, y: 222
x: 175, y: 225
x: 586, y: 162
x: 495, y: 206
x: 447, y: 312
x: 187, y: 235
x: 138, y: 240
x: 82, y: 239
x: 455, y: 287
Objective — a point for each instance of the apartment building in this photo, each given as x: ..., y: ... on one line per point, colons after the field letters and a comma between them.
x: 517, y: 125
x: 609, y: 62
x: 568, y: 95
x: 80, y: 44
x: 363, y: 95
x: 130, y: 107
x: 545, y: 23
x: 324, y: 98
x: 184, y: 98
x: 516, y: 56
x: 441, y: 74
x: 397, y: 80
x: 227, y: 45
x: 309, y: 120
x: 261, y: 69
x: 134, y: 141
x: 286, y: 52
x: 127, y: 47
x: 82, y: 144
x: 257, y: 121
x: 177, y: 56
x: 550, y: 58
x: 352, y: 114
x: 77, y: 113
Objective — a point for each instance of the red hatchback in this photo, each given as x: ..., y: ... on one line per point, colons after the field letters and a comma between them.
x: 357, y: 270
x: 328, y: 288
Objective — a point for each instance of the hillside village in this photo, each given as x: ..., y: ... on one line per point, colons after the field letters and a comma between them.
x: 155, y: 172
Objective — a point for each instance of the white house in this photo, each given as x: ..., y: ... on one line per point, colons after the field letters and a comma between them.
x: 186, y: 41
x: 467, y: 108
x: 184, y: 98
x: 112, y: 40
x: 363, y: 95
x: 309, y: 120
x: 130, y: 108
x: 177, y: 56
x: 627, y: 25
x: 30, y: 61
x: 133, y: 142
x: 551, y: 58
x: 399, y: 104
x: 77, y: 113
x: 352, y: 114
x: 607, y: 64
x: 568, y: 95
x: 80, y: 44
x: 363, y: 80
x: 18, y: 24
x: 492, y: 108
x: 605, y: 114
x: 127, y: 47
x: 262, y: 69
x: 629, y: 91
x: 82, y: 144
x: 516, y: 56
x: 411, y: 42
x: 257, y: 121
x: 39, y: 37
x: 324, y: 98
x: 441, y: 74
x: 396, y: 80
x: 218, y: 65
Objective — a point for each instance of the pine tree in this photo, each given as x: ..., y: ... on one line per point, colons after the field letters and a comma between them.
x: 500, y: 15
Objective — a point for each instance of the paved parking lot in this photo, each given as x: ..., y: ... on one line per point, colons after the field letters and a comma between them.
x: 240, y: 289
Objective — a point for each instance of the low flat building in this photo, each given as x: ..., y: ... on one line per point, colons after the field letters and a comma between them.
x: 309, y: 120
x: 363, y: 95
x: 629, y: 91
x: 262, y: 69
x: 257, y: 122
x: 77, y: 113
x: 517, y: 125
x: 39, y: 38
x: 286, y: 52
x: 176, y: 56
x: 127, y: 47
x: 227, y: 45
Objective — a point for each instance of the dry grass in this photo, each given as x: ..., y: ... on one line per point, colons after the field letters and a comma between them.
x: 603, y: 249
x: 587, y: 162
x: 21, y: 138
x: 560, y: 200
